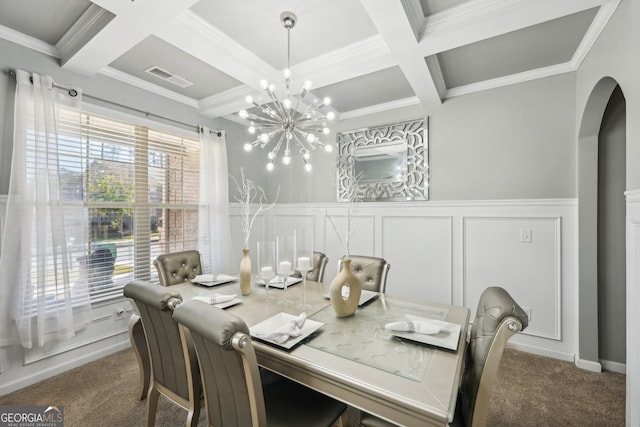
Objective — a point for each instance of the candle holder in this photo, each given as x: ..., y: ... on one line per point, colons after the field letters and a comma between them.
x: 285, y: 254
x: 304, y: 261
x: 266, y: 264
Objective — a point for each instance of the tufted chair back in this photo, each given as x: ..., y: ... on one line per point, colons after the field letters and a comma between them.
x: 320, y: 261
x: 235, y: 393
x: 174, y: 367
x: 371, y: 271
x: 178, y: 267
x: 498, y: 317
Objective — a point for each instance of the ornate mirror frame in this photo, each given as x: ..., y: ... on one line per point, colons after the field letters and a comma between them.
x: 378, y: 183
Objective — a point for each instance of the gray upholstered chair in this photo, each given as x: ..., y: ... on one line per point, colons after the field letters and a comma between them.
x: 178, y: 267
x: 320, y: 261
x: 498, y: 318
x: 174, y: 366
x: 236, y: 392
x: 371, y: 271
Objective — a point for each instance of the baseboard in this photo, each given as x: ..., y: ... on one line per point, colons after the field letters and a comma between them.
x: 553, y: 354
x: 608, y: 365
x: 589, y: 365
x: 122, y: 344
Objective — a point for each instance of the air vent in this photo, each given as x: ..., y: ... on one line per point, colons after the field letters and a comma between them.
x: 168, y: 76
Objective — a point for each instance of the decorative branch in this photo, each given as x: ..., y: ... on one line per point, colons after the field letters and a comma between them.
x: 247, y: 194
x: 351, y: 195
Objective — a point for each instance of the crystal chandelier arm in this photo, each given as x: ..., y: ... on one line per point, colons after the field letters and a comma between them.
x: 276, y: 149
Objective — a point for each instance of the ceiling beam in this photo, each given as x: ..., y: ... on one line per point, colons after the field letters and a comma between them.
x: 394, y: 26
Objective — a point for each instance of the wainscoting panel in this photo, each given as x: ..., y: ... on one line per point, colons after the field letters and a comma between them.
x: 419, y: 251
x: 521, y: 255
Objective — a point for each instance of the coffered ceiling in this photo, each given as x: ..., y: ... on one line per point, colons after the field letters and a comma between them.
x: 367, y: 55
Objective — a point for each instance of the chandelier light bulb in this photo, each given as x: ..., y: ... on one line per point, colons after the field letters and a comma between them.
x: 270, y: 166
x: 243, y: 114
x: 306, y: 155
x: 307, y: 167
x: 287, y: 73
x: 307, y: 85
x: 328, y: 148
x: 248, y: 147
x: 251, y: 129
x: 264, y: 84
x: 326, y: 131
x: 331, y: 115
x: 311, y: 138
x: 249, y: 99
x: 287, y: 103
x: 286, y: 159
x: 326, y: 101
x: 272, y: 88
x: 271, y: 155
x: 263, y: 137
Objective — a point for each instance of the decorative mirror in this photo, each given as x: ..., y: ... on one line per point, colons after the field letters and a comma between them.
x: 389, y: 163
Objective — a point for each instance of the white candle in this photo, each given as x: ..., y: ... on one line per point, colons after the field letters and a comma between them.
x: 266, y: 272
x: 304, y: 263
x: 284, y: 267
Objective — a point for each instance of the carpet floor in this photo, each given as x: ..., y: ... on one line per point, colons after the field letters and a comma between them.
x: 530, y: 390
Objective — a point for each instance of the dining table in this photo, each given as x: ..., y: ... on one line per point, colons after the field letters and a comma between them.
x: 407, y: 379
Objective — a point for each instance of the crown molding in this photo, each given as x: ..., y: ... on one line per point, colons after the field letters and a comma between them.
x: 380, y: 108
x: 597, y: 26
x: 539, y: 73
x: 28, y: 42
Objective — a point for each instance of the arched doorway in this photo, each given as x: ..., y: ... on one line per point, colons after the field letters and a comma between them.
x: 588, y: 143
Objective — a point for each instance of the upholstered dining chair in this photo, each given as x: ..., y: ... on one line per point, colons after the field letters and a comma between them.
x: 178, y: 267
x: 371, y: 271
x: 236, y: 392
x: 174, y: 367
x: 498, y: 318
x: 320, y: 261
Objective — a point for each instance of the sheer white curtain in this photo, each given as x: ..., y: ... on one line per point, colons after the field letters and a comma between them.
x: 214, y: 230
x: 38, y: 301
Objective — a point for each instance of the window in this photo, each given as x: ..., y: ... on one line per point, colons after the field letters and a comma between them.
x: 138, y: 190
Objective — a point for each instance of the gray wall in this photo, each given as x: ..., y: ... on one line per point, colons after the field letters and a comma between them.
x: 611, y: 231
x: 515, y: 142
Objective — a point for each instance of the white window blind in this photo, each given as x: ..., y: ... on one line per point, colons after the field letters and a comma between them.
x: 138, y: 189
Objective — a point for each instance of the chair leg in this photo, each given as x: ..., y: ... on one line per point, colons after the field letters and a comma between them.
x: 152, y: 405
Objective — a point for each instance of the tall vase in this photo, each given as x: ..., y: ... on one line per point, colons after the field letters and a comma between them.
x: 345, y: 290
x: 245, y: 272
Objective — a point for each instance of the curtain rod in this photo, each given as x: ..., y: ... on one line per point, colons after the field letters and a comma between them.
x: 73, y: 93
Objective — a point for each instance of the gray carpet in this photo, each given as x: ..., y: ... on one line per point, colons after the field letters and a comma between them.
x: 530, y: 391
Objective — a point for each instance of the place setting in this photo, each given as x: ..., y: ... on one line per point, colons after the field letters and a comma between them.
x: 434, y: 332
x: 210, y: 280
x: 219, y: 300
x: 285, y: 330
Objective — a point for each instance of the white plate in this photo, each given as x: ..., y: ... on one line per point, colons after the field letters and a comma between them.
x: 446, y: 339
x: 365, y: 296
x: 277, y: 282
x: 274, y: 322
x: 208, y: 279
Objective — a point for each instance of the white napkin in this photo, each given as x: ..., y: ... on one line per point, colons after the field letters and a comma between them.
x: 216, y: 299
x: 293, y: 328
x: 426, y: 326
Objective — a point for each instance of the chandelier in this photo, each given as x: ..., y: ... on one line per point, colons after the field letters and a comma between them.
x: 291, y: 123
